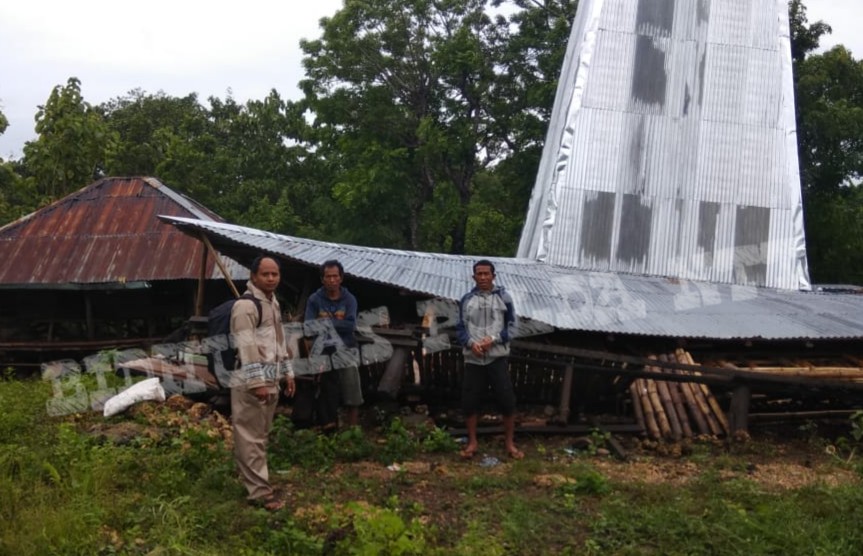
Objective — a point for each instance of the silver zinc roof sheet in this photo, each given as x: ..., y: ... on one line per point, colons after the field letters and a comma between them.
x: 672, y: 146
x: 572, y: 299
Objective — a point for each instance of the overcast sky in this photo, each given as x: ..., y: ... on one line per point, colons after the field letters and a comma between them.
x: 185, y: 46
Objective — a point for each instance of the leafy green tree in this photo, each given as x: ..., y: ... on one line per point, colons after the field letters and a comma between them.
x: 18, y: 195
x: 805, y: 36
x: 830, y: 120
x: 239, y: 161
x: 15, y: 198
x: 400, y: 92
x: 830, y: 132
x: 72, y: 141
x: 834, y: 228
x: 142, y: 123
x: 829, y: 105
x: 4, y: 123
x: 532, y: 59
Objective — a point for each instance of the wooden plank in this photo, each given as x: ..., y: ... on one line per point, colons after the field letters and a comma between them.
x: 739, y: 411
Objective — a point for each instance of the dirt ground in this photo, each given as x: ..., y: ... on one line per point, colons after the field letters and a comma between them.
x: 772, y: 463
x: 775, y: 459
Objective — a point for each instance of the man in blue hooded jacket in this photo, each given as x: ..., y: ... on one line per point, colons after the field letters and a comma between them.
x: 486, y: 322
x: 334, y: 304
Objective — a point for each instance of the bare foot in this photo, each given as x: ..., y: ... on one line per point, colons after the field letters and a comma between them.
x: 515, y: 453
x: 468, y: 452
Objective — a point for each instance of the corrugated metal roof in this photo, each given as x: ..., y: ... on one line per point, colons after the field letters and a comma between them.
x: 672, y: 146
x: 571, y: 299
x: 106, y: 232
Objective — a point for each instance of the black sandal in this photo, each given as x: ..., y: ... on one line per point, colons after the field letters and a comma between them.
x: 270, y: 503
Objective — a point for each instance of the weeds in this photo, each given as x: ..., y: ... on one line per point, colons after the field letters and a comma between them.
x: 372, y: 530
x: 352, y: 445
x: 438, y: 440
x: 400, y: 444
x: 856, y: 420
x: 169, y: 487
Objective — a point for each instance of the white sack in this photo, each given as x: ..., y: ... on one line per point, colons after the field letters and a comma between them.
x: 149, y: 389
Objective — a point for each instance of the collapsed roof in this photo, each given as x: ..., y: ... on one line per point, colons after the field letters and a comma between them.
x: 568, y: 299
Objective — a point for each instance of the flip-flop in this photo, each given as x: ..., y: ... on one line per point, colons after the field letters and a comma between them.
x: 515, y: 453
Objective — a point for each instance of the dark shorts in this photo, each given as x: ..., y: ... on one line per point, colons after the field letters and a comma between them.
x: 352, y: 390
x: 316, y: 402
x: 475, y: 384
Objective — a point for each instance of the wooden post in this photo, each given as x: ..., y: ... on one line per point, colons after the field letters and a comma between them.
x: 218, y: 260
x: 202, y: 279
x: 566, y: 394
x: 738, y: 417
x: 88, y: 316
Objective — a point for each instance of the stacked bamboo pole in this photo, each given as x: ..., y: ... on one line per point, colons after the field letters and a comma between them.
x: 847, y: 374
x: 673, y: 410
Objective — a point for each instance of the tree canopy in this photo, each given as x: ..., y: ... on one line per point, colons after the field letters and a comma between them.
x: 829, y: 103
x: 420, y: 126
x: 72, y: 142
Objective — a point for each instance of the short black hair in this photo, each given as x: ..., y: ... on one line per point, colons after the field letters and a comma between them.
x: 256, y: 263
x: 484, y: 262
x: 330, y: 264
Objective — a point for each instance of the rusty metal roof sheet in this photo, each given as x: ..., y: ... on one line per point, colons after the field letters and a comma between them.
x: 106, y: 232
x: 671, y: 149
x: 571, y: 299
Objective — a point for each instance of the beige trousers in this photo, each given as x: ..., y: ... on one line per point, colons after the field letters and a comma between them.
x: 252, y: 420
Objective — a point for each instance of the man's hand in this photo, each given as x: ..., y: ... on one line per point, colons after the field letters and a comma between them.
x: 482, y: 346
x: 262, y: 393
x: 290, y: 387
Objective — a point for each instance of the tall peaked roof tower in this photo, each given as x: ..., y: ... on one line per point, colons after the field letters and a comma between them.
x: 672, y: 148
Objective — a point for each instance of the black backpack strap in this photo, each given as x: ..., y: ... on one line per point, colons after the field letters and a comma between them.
x: 257, y: 303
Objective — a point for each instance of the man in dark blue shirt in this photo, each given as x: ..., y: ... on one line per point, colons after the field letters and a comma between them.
x: 331, y: 317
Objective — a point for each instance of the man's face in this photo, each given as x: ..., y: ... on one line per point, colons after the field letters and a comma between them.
x: 332, y: 280
x: 267, y: 277
x: 483, y: 277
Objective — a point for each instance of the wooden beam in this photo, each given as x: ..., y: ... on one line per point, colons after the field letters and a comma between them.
x: 202, y: 280
x: 218, y: 260
x: 79, y: 345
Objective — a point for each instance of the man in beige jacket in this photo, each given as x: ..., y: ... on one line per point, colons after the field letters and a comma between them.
x: 264, y: 360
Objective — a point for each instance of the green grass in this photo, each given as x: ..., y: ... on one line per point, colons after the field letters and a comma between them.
x: 170, y: 488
